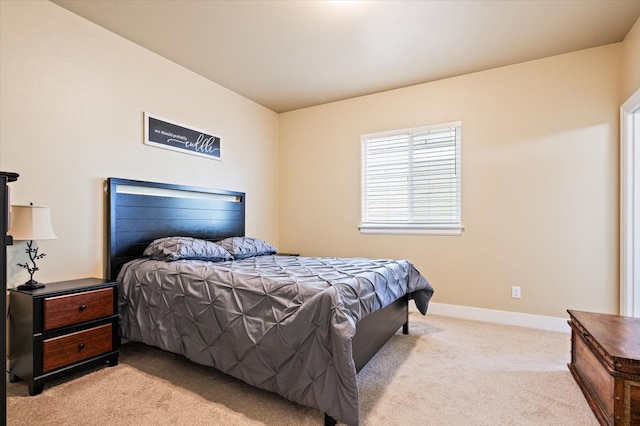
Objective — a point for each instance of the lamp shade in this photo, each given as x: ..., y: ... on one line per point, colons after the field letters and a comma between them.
x: 31, y: 223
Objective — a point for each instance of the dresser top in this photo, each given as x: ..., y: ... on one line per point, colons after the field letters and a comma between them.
x: 71, y: 286
x: 619, y: 336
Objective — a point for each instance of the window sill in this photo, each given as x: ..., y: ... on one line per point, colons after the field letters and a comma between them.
x: 402, y: 229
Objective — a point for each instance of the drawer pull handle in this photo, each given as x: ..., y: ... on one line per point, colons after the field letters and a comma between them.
x: 81, y: 346
x: 83, y: 307
x: 585, y: 335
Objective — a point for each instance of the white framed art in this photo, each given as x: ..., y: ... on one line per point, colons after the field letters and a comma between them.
x: 162, y: 133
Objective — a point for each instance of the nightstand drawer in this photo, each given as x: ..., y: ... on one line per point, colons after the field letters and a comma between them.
x: 71, y: 348
x: 76, y: 308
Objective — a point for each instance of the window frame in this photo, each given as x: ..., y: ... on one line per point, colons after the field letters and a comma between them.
x: 409, y: 228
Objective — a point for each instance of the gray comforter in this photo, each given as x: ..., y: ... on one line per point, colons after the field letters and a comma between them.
x: 280, y: 323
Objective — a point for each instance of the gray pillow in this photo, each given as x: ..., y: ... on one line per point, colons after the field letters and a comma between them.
x: 244, y: 247
x: 175, y: 248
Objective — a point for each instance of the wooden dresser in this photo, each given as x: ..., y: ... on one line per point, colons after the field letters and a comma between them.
x: 62, y: 328
x: 605, y: 362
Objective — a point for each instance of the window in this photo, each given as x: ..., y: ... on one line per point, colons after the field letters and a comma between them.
x: 411, y: 181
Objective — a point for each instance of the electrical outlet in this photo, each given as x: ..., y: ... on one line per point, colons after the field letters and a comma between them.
x: 515, y: 292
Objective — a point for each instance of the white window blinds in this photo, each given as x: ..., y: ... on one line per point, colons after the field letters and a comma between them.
x: 411, y: 180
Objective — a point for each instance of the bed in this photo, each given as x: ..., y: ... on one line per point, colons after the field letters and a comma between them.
x: 298, y: 326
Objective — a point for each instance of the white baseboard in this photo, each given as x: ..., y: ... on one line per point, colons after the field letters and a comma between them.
x: 501, y: 317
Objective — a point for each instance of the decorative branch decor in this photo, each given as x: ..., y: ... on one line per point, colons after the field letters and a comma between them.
x: 33, y: 256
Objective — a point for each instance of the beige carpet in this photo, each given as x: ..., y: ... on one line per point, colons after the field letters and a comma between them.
x: 446, y: 372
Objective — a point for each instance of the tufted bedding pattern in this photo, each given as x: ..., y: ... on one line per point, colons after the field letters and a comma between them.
x: 281, y: 323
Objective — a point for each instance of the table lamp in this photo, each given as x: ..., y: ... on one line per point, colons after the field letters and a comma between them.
x: 29, y: 223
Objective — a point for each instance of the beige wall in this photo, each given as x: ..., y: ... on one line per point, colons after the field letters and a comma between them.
x: 71, y: 109
x: 540, y: 159
x: 539, y: 183
x: 631, y: 62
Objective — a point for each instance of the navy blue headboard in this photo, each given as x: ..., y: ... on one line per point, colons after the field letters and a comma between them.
x: 140, y: 212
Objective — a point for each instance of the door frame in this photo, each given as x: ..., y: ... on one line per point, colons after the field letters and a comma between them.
x: 630, y: 206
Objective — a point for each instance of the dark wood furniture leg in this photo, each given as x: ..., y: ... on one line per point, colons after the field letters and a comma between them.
x: 329, y: 421
x: 36, y: 388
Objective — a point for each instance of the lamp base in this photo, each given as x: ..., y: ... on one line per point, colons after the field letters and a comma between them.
x: 30, y: 285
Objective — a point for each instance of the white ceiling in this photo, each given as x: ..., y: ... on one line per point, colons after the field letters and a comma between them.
x: 287, y: 55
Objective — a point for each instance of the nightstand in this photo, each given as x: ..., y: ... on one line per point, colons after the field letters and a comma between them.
x: 62, y: 328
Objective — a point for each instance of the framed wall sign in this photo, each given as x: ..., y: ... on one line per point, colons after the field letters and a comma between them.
x: 177, y: 137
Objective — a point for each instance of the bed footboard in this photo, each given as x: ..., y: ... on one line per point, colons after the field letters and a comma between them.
x: 374, y: 330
